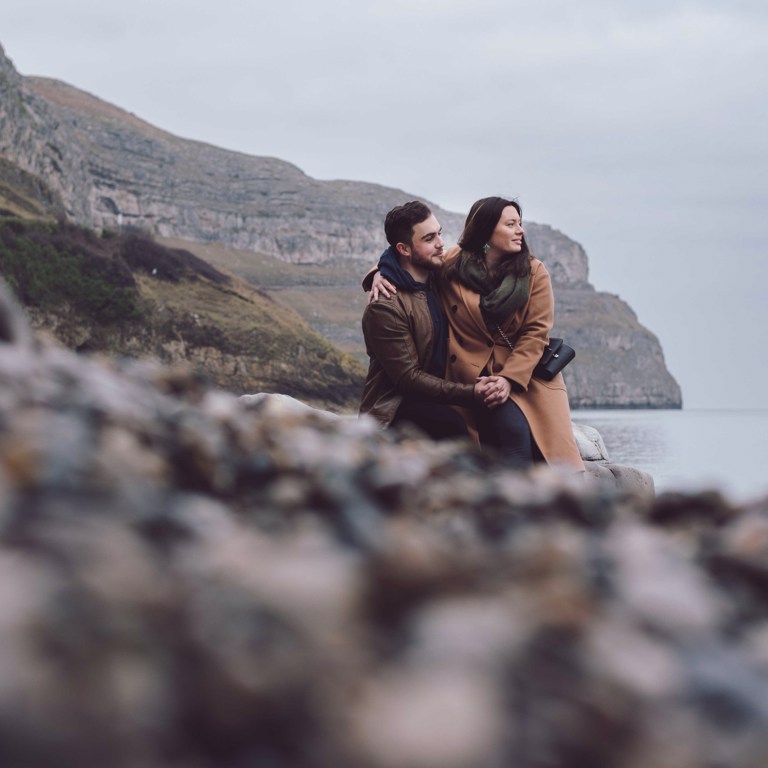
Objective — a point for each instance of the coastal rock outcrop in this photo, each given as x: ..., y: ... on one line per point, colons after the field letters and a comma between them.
x: 191, y: 580
x: 110, y: 169
x: 619, y: 363
x: 599, y: 468
x: 114, y: 170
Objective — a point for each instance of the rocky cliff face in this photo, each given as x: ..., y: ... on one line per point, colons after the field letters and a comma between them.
x: 114, y: 170
x: 619, y: 363
x: 111, y: 170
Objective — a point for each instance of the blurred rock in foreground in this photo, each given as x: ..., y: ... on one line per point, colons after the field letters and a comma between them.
x: 597, y: 464
x: 190, y: 581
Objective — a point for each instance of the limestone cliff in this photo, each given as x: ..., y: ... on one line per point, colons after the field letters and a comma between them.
x: 110, y: 170
x: 619, y: 363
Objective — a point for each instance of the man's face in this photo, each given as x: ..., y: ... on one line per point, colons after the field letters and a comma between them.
x: 426, y: 249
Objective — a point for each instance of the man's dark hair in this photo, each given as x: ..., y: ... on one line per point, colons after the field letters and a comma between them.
x: 400, y: 221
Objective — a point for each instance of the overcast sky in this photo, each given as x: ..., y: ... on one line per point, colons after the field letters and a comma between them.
x: 639, y: 129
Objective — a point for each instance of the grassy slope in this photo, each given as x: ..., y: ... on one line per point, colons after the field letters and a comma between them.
x: 327, y: 296
x: 184, y: 310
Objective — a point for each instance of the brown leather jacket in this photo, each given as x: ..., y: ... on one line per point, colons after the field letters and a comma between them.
x: 398, y: 337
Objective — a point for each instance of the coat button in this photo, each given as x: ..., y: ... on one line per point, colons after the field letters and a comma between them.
x: 459, y: 340
x: 489, y: 343
x: 453, y: 358
x: 455, y: 308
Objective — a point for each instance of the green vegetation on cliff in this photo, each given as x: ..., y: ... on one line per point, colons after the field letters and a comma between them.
x: 128, y: 295
x: 50, y: 266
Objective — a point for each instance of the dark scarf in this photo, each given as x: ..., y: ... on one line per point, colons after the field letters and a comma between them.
x: 389, y: 266
x: 501, y: 295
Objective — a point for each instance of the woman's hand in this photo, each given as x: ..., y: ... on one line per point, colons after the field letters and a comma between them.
x: 380, y: 286
x: 493, y: 390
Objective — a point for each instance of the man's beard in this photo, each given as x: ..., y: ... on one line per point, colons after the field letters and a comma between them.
x: 429, y: 262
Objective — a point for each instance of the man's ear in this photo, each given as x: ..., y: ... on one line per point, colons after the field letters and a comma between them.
x: 403, y: 249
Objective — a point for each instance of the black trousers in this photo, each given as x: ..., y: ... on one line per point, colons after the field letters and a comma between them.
x: 505, y: 429
x: 438, y: 421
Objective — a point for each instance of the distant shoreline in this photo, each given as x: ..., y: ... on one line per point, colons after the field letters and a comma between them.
x: 614, y: 407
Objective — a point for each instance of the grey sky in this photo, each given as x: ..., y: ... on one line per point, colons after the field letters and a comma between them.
x: 637, y: 128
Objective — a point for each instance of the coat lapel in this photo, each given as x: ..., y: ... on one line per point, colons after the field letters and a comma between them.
x: 472, y: 303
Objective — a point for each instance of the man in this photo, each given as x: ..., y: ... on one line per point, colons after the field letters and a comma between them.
x: 406, y: 334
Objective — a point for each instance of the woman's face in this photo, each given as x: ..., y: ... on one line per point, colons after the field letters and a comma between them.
x: 507, y: 237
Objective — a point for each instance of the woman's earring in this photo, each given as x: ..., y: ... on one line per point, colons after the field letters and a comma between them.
x: 486, y: 248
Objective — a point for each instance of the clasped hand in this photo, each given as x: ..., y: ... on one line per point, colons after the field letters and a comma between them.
x: 492, y: 391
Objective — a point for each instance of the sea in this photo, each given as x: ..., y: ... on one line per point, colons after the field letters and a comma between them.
x: 689, y: 449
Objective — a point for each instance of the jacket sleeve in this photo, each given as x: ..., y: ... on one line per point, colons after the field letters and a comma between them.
x: 533, y: 335
x: 389, y: 339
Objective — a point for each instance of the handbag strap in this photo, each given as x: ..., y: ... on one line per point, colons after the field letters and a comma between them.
x: 505, y: 337
x: 552, y: 347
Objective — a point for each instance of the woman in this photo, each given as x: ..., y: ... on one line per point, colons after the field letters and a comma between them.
x: 500, y: 307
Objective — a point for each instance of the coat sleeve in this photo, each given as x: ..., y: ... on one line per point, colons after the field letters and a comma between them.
x: 368, y: 279
x: 533, y: 335
x: 389, y: 339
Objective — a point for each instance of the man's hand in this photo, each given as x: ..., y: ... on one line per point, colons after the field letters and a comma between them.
x: 380, y: 286
x: 493, y: 391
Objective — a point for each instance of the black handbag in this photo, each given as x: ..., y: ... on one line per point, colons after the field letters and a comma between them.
x: 557, y: 354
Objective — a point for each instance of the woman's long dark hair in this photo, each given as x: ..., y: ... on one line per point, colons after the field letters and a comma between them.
x: 481, y: 220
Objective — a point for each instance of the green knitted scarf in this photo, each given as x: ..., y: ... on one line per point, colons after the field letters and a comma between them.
x: 501, y: 295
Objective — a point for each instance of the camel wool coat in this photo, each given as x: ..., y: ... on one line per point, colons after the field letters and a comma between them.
x: 473, y: 349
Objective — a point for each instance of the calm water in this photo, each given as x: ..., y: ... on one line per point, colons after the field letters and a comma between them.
x: 690, y: 449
